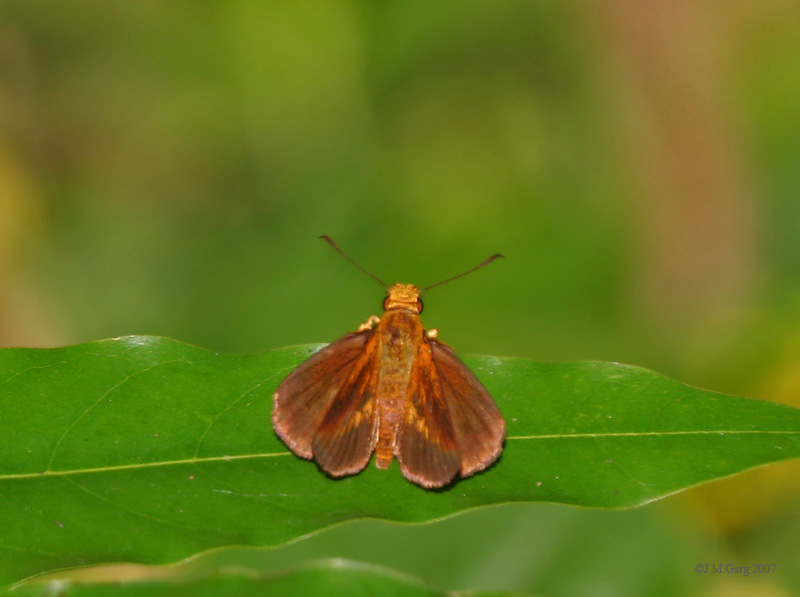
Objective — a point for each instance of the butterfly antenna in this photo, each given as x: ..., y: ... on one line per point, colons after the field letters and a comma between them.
x: 329, y: 240
x: 469, y: 271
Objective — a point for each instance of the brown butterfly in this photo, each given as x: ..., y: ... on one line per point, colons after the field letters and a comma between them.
x: 390, y: 388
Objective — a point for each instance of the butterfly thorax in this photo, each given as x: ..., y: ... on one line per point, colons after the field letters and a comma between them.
x: 399, y: 335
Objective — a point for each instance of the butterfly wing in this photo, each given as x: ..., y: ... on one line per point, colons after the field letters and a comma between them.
x: 451, y: 425
x: 346, y: 438
x: 478, y: 424
x: 324, y: 409
x: 303, y: 399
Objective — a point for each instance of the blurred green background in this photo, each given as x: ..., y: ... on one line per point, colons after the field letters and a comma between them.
x: 166, y: 168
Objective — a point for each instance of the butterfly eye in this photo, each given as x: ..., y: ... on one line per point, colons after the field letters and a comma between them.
x: 420, y: 305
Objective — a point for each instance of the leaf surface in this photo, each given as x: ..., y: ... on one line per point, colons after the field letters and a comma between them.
x: 148, y: 450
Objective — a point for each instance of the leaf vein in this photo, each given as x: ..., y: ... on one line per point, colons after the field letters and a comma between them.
x: 100, y: 398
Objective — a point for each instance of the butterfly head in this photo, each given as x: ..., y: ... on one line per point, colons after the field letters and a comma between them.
x: 403, y: 296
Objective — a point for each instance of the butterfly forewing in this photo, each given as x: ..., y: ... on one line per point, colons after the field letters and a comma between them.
x: 346, y: 437
x: 305, y: 396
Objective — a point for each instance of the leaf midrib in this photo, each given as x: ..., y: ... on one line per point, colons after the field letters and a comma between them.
x: 196, y: 460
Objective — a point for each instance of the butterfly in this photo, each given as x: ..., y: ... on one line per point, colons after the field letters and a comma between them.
x: 394, y: 389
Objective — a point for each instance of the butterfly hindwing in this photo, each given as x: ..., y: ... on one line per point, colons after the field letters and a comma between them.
x: 426, y: 440
x: 478, y: 425
x: 451, y: 425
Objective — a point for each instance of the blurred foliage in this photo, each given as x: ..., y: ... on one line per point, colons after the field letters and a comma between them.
x: 330, y: 578
x: 165, y: 168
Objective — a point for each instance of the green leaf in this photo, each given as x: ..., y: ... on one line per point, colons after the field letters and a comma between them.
x: 148, y: 450
x: 330, y: 578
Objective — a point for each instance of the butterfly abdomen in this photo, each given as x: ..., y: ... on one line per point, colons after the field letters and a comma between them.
x: 398, y: 334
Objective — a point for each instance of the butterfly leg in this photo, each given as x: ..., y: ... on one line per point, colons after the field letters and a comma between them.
x: 369, y: 323
x: 431, y: 334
